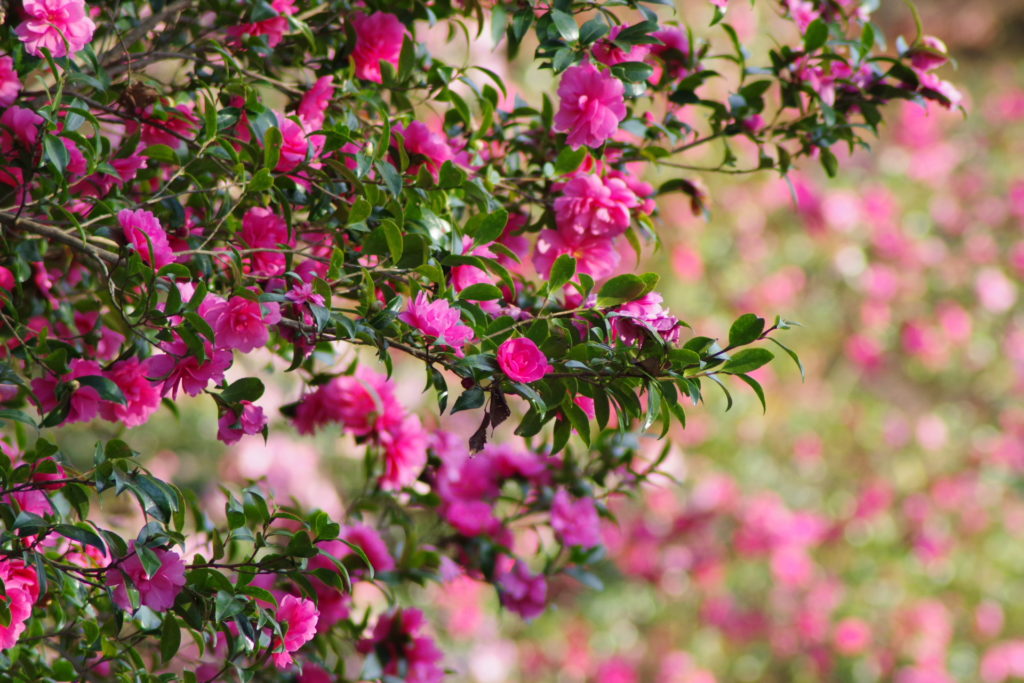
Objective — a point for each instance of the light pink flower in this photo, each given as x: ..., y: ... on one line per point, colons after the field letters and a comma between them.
x: 156, y: 592
x: 142, y: 395
x: 522, y: 361
x: 298, y: 617
x: 21, y: 585
x: 575, y: 521
x: 438, y: 321
x: 143, y: 229
x: 295, y: 144
x: 261, y: 227
x: 241, y: 323
x: 232, y: 427
x: 646, y: 313
x: 594, y: 207
x: 314, y: 102
x: 592, y: 105
x: 405, y: 453
x: 379, y: 39
x: 49, y: 23
x: 852, y: 636
x: 10, y: 85
x: 522, y: 591
x: 595, y: 256
x: 23, y: 124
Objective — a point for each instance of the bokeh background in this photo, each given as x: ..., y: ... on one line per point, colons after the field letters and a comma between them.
x: 870, y: 525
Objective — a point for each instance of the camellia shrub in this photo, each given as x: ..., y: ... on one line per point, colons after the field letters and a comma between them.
x: 197, y: 191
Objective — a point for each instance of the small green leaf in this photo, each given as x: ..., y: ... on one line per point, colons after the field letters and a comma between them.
x: 470, y: 399
x: 561, y: 272
x: 746, y: 329
x: 566, y: 25
x: 481, y: 291
x: 106, y: 388
x: 816, y: 36
x: 170, y: 638
x: 569, y: 160
x: 245, y: 389
x: 634, y: 72
x: 272, y: 141
x: 56, y: 152
x: 747, y: 360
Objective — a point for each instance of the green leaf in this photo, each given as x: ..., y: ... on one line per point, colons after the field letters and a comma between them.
x: 747, y: 360
x: 262, y: 180
x: 486, y: 227
x: 56, y: 153
x: 746, y: 329
x: 170, y: 638
x: 150, y: 562
x: 634, y: 72
x: 17, y: 416
x: 566, y: 25
x: 561, y: 272
x: 816, y: 36
x: 392, y: 179
x: 756, y: 386
x: 245, y: 389
x: 161, y: 153
x: 82, y: 534
x: 569, y: 160
x: 393, y: 237
x: 829, y: 161
x: 272, y: 141
x: 625, y: 288
x: 593, y: 30
x: 106, y: 388
x: 792, y: 354
x: 470, y: 399
x: 481, y: 291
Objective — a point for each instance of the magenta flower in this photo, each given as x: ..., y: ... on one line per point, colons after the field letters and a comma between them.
x: 61, y: 26
x: 241, y: 323
x: 471, y: 517
x: 23, y: 123
x: 521, y: 591
x: 399, y: 636
x: 595, y: 256
x: 232, y: 427
x: 295, y: 144
x: 10, y: 85
x: 405, y: 453
x: 645, y: 313
x: 369, y: 541
x: 592, y: 106
x: 522, y: 361
x: 298, y: 617
x: 379, y: 39
x: 177, y: 369
x: 85, y: 401
x: 364, y: 403
x: 21, y: 586
x: 261, y: 227
x: 148, y: 237
x: 575, y: 521
x: 607, y: 52
x: 142, y: 396
x: 156, y: 592
x: 438, y: 321
x: 314, y: 102
x: 420, y: 141
x: 594, y: 207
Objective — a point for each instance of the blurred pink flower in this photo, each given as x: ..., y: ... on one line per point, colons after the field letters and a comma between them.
x: 10, y: 85
x: 21, y: 589
x: 575, y: 520
x: 141, y: 395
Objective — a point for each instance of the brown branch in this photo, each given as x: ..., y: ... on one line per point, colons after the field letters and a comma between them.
x: 101, y: 256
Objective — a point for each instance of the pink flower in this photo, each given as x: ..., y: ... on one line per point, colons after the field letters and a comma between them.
x: 420, y: 141
x: 177, y: 368
x: 141, y: 395
x: 852, y: 636
x: 49, y: 23
x: 156, y: 592
x: 646, y: 313
x: 594, y: 207
x: 364, y: 403
x: 171, y: 126
x: 370, y: 542
x: 241, y: 323
x: 521, y: 591
x: 85, y: 401
x: 522, y: 361
x: 607, y: 52
x: 21, y: 586
x: 379, y: 39
x: 575, y: 521
x: 595, y: 256
x: 930, y: 54
x: 471, y: 517
x: 399, y: 640
x: 298, y: 617
x: 295, y: 144
x: 261, y: 227
x: 674, y: 52
x: 148, y: 237
x: 10, y: 86
x: 23, y: 123
x: 232, y: 426
x: 438, y: 321
x: 302, y: 293
x: 405, y: 453
x: 314, y: 102
x: 592, y: 106
x: 802, y: 12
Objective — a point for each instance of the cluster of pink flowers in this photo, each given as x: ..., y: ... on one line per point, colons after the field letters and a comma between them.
x: 261, y: 227
x: 157, y: 591
x: 438, y: 321
x: 366, y: 406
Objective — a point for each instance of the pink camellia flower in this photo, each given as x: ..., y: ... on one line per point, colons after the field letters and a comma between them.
x: 273, y: 28
x: 575, y: 521
x: 141, y: 395
x: 592, y: 105
x: 522, y: 361
x: 295, y: 144
x: 420, y: 141
x: 23, y: 124
x: 471, y: 517
x: 607, y: 52
x: 232, y: 427
x: 261, y: 227
x: 157, y: 592
x: 405, y: 453
x: 298, y: 617
x: 409, y: 651
x: 241, y: 323
x: 178, y: 369
x: 21, y: 586
x: 852, y: 636
x: 646, y: 313
x: 10, y: 85
x: 174, y: 123
x: 85, y: 401
x: 61, y: 26
x: 438, y: 321
x: 39, y: 473
x: 930, y: 54
x: 379, y: 39
x: 674, y: 53
x: 364, y: 403
x: 594, y: 207
x: 802, y: 12
x: 148, y: 237
x: 314, y: 102
x: 595, y: 256
x: 370, y: 542
x: 521, y: 591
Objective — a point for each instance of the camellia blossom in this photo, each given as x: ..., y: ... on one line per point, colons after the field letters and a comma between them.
x: 85, y: 400
x: 157, y: 592
x: 61, y: 26
x: 10, y: 85
x: 607, y: 52
x: 423, y: 142
x: 398, y: 637
x: 298, y: 617
x: 522, y: 361
x: 148, y: 237
x: 242, y: 323
x: 522, y: 591
x: 634, y: 317
x: 437, y: 320
x: 379, y: 39
x: 405, y: 453
x: 592, y: 206
x: 592, y: 105
x: 142, y: 396
x: 575, y: 521
x: 232, y: 427
x: 261, y: 227
x: 21, y: 588
x: 314, y: 102
x: 595, y: 256
x: 23, y: 124
x: 178, y: 369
